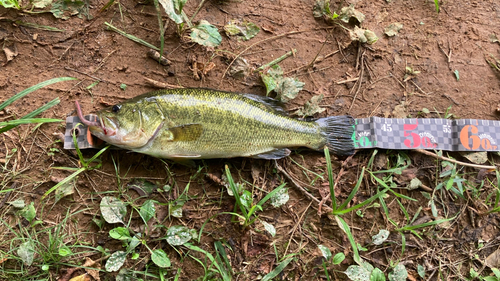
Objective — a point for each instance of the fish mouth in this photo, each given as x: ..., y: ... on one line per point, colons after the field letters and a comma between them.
x: 97, y: 127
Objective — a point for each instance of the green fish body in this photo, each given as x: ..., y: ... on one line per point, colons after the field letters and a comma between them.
x: 203, y: 123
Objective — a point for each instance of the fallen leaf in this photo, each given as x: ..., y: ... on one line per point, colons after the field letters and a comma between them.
x: 399, y: 111
x: 242, y: 30
x: 83, y: 277
x: 240, y: 68
x: 63, y: 9
x: 393, y: 29
x: 477, y: 157
x: 206, y: 34
x: 493, y: 260
x: 10, y: 52
x: 348, y: 13
x: 286, y: 88
x: 41, y: 3
x: 494, y: 38
x: 92, y: 272
x: 311, y: 107
x: 173, y: 8
x: 363, y: 35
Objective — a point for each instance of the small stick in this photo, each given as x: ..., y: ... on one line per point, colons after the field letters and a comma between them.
x: 455, y: 161
x: 161, y: 85
x: 305, y: 192
x: 84, y: 73
x: 295, y: 228
x: 256, y: 43
x: 157, y: 57
x: 340, y: 49
x: 359, y: 82
x: 317, y: 60
x: 347, y: 81
x: 427, y: 94
x: 278, y: 60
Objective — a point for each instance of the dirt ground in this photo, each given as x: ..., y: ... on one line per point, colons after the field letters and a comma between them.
x: 446, y: 52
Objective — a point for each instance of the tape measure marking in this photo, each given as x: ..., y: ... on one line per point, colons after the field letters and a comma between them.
x: 439, y: 134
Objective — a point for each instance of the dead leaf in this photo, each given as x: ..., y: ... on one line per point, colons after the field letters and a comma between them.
x: 240, y: 68
x: 477, y: 157
x: 10, y: 52
x: 493, y: 260
x: 348, y: 13
x: 393, y: 29
x: 93, y: 272
x: 311, y: 107
x: 399, y: 111
x: 494, y: 38
x: 83, y: 277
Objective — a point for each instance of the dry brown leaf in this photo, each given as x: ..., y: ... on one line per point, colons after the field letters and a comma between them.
x: 10, y: 52
x: 493, y: 260
x: 83, y: 277
x: 93, y: 272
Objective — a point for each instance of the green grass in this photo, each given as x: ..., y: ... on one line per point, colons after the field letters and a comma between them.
x: 29, y: 118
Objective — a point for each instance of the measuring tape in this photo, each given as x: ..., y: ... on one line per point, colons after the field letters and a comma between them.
x: 373, y: 132
x: 433, y: 134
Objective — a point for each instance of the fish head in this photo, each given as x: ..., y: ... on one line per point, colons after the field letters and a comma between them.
x: 126, y: 125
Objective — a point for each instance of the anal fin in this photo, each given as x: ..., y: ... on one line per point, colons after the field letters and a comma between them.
x: 273, y: 154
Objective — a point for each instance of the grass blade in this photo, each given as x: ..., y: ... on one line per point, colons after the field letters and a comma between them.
x: 354, y: 191
x: 32, y: 89
x: 277, y: 270
x: 270, y: 194
x: 131, y: 37
x: 29, y: 121
x: 209, y: 256
x: 33, y: 113
x: 236, y: 194
x: 330, y: 178
x: 221, y: 252
x: 345, y: 227
x: 413, y: 227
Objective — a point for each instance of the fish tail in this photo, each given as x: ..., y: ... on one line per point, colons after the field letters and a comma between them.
x: 338, y: 131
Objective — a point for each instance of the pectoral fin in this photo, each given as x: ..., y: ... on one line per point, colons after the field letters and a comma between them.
x: 189, y: 132
x: 273, y: 154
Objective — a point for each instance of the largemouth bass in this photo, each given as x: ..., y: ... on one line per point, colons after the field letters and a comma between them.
x: 203, y: 123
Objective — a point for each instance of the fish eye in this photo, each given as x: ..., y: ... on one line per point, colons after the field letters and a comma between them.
x: 116, y: 108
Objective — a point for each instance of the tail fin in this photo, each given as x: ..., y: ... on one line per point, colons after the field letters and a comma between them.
x: 338, y: 131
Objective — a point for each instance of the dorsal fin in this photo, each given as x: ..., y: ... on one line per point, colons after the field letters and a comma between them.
x: 268, y: 102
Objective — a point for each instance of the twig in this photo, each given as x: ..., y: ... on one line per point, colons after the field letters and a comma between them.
x: 317, y: 60
x: 295, y: 227
x: 158, y: 57
x: 278, y: 60
x: 161, y: 85
x: 360, y: 81
x: 340, y: 49
x: 347, y: 81
x: 256, y: 43
x: 305, y: 192
x: 401, y: 84
x: 84, y: 73
x: 427, y: 94
x: 448, y: 56
x: 455, y: 161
